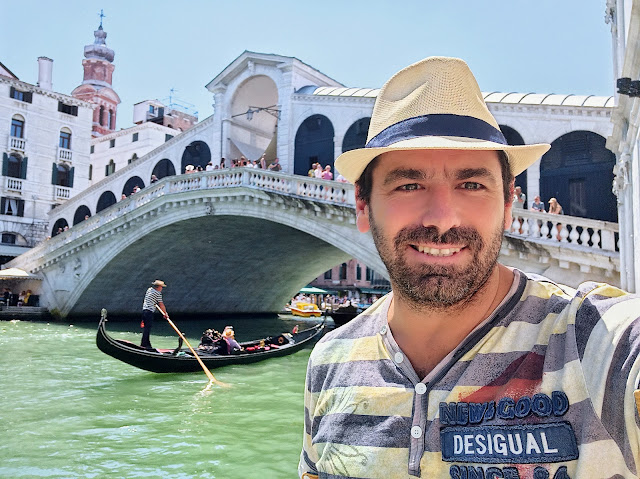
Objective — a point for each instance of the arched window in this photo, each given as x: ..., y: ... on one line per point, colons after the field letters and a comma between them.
x: 64, y: 176
x: 109, y: 168
x: 111, y: 117
x: 343, y: 271
x: 65, y: 138
x: 17, y: 127
x: 101, y: 119
x: 15, y: 168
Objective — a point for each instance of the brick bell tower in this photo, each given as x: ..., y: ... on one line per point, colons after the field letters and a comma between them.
x: 96, y: 86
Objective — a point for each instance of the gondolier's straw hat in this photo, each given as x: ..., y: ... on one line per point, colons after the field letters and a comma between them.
x: 157, y: 282
x: 433, y: 104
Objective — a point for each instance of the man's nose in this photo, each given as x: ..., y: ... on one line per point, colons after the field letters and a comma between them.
x: 441, y: 210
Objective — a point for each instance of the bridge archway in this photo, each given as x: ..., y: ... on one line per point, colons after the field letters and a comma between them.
x: 80, y: 213
x: 356, y: 135
x: 578, y: 172
x: 514, y: 138
x: 313, y: 144
x: 131, y: 184
x: 58, y: 226
x: 196, y: 153
x: 164, y: 168
x: 254, y: 113
x: 106, y: 199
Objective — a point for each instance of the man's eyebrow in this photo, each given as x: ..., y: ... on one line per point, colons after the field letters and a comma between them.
x: 404, y: 174
x: 466, y: 173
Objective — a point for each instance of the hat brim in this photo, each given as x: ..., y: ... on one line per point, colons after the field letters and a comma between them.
x: 352, y: 163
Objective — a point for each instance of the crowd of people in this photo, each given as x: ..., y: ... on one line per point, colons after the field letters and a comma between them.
x: 520, y: 201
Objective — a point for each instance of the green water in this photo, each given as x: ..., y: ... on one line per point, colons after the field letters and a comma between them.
x: 68, y: 410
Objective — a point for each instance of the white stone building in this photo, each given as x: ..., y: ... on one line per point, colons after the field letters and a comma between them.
x: 624, y: 18
x: 45, y: 139
x: 114, y: 151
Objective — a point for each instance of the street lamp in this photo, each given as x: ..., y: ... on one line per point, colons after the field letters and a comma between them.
x: 628, y: 87
x: 272, y: 110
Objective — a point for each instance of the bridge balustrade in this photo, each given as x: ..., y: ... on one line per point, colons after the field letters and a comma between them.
x: 567, y: 230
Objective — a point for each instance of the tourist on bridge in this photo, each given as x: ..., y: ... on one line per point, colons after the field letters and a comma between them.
x: 326, y: 174
x: 152, y: 298
x: 537, y: 205
x: 275, y: 166
x: 467, y: 368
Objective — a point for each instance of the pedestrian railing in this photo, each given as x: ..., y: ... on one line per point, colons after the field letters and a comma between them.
x: 564, y: 229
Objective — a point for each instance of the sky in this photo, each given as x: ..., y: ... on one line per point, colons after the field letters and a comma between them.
x: 527, y: 46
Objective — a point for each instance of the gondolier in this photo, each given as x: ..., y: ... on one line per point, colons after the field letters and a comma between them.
x: 152, y: 297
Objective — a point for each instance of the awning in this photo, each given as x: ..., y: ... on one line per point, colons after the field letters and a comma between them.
x: 313, y: 290
x: 374, y: 290
x: 15, y: 273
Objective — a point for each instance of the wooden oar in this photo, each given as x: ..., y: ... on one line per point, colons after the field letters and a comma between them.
x: 206, y: 370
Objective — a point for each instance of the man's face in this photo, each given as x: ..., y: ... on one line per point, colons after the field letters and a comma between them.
x: 437, y: 218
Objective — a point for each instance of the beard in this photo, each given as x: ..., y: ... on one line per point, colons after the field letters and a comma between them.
x: 438, y: 287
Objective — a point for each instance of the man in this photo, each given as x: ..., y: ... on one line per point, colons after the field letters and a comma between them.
x: 519, y: 199
x: 152, y: 297
x: 537, y: 205
x: 275, y: 166
x: 467, y: 369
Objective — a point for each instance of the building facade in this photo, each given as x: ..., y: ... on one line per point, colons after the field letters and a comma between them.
x: 45, y: 139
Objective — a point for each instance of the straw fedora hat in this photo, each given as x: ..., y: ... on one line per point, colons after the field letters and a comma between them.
x: 433, y: 104
x: 157, y: 282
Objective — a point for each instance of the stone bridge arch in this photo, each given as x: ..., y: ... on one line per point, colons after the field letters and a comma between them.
x: 246, y: 252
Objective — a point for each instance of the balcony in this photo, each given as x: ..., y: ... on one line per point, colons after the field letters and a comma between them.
x: 17, y: 144
x: 62, y: 193
x: 13, y: 184
x: 64, y: 154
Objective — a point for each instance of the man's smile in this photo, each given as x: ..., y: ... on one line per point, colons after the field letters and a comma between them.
x: 440, y: 252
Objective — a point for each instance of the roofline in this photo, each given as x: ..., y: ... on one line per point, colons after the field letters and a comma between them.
x: 5, y: 67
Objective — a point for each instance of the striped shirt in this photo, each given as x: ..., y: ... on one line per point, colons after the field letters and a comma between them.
x: 151, y: 298
x: 542, y: 389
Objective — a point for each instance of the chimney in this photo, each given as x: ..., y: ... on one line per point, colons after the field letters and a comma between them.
x: 45, y: 69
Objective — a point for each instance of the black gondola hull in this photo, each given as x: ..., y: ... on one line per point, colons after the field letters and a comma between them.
x: 184, y: 362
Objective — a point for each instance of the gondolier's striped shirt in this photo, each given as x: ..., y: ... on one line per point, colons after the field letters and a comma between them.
x: 151, y: 298
x: 542, y: 389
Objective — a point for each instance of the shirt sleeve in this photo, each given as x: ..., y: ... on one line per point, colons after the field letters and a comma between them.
x: 309, y: 455
x: 608, y: 339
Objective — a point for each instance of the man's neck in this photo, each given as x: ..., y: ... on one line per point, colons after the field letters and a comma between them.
x: 426, y: 336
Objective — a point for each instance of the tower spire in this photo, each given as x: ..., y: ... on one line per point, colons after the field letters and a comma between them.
x: 102, y: 15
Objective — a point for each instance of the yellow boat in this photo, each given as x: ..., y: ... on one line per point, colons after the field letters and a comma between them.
x: 306, y: 310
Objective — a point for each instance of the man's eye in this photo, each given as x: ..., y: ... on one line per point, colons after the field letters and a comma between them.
x: 409, y: 187
x: 471, y: 185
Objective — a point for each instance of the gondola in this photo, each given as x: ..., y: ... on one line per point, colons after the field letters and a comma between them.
x: 344, y: 313
x: 180, y: 360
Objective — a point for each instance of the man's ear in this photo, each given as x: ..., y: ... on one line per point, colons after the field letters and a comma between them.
x: 362, y: 213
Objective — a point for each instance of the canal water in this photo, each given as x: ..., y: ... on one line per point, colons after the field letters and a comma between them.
x: 67, y: 410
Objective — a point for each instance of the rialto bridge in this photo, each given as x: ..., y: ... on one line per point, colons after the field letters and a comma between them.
x: 245, y: 240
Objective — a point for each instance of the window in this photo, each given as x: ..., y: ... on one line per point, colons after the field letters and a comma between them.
x: 152, y: 109
x: 101, y: 119
x: 90, y: 172
x: 343, y: 271
x: 110, y: 168
x: 65, y: 140
x: 68, y: 109
x: 12, y: 206
x: 358, y: 272
x: 92, y: 149
x: 112, y: 143
x: 25, y: 96
x: 132, y: 159
x: 8, y: 238
x: 111, y: 120
x: 327, y: 274
x: 134, y: 137
x: 62, y: 175
x: 369, y: 274
x: 17, y: 128
x: 14, y: 166
x: 167, y: 137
